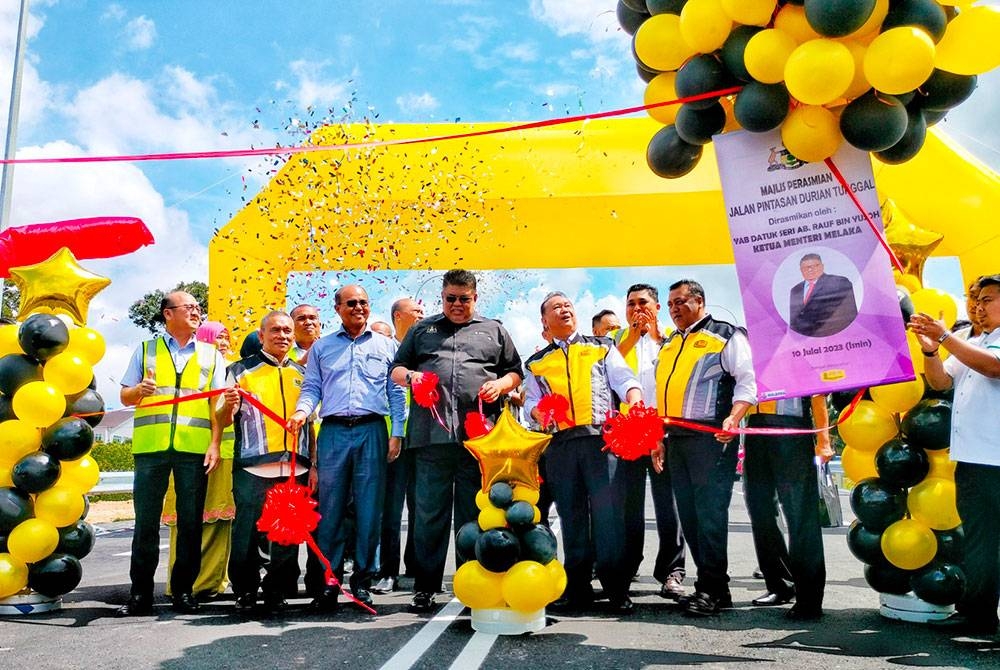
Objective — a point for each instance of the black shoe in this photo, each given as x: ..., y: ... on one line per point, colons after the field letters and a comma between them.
x: 672, y: 589
x: 422, y: 603
x: 622, y: 606
x: 326, y: 601
x: 384, y: 585
x: 362, y: 596
x: 136, y: 606
x: 245, y: 602
x: 274, y: 603
x: 701, y: 604
x: 757, y: 574
x: 185, y: 603
x: 959, y: 624
x: 725, y: 601
x: 771, y: 599
x: 800, y: 612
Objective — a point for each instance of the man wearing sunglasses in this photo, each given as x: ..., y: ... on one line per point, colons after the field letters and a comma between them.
x: 181, y: 438
x: 476, y: 364
x: 347, y: 376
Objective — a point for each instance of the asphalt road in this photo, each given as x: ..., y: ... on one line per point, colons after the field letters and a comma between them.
x: 86, y: 635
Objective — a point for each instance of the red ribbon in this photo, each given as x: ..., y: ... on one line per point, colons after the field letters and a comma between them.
x: 554, y: 409
x: 857, y: 203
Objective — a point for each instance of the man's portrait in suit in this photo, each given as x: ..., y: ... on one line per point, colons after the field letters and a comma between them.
x: 822, y: 304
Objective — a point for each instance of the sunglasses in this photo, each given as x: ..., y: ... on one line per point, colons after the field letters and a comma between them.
x: 193, y: 309
x: 464, y: 299
x: 354, y: 302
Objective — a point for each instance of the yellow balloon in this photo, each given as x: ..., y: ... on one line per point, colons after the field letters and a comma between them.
x: 766, y: 54
x: 86, y: 343
x: 858, y: 464
x: 477, y: 587
x: 658, y: 43
x: 910, y: 282
x: 942, y: 467
x: 18, y: 438
x: 899, y: 60
x: 492, y: 517
x: 859, y: 85
x: 661, y: 89
x: 932, y: 502
x: 80, y: 475
x: 868, y: 427
x: 811, y: 133
x: 916, y: 355
x: 32, y: 540
x: 68, y: 372
x: 483, y: 500
x: 5, y: 474
x: 59, y: 505
x: 728, y: 103
x: 898, y: 398
x: 819, y: 71
x: 526, y: 494
x: 909, y: 544
x: 750, y: 12
x: 792, y: 20
x: 13, y: 575
x: 936, y: 304
x: 704, y: 26
x: 559, y: 579
x: 970, y: 44
x: 39, y: 404
x: 8, y: 340
x: 527, y: 586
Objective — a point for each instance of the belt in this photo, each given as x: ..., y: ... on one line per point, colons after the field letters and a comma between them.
x: 352, y: 421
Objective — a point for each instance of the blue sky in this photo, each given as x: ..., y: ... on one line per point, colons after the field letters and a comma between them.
x: 156, y: 76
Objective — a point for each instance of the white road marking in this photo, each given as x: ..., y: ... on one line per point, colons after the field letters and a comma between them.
x: 411, y: 652
x: 474, y: 652
x: 129, y: 553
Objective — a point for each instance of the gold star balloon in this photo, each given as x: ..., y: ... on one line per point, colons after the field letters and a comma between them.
x: 509, y: 453
x: 911, y: 243
x: 59, y: 285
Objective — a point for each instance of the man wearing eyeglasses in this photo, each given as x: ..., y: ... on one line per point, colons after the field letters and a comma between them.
x: 475, y: 360
x: 347, y: 376
x: 181, y: 438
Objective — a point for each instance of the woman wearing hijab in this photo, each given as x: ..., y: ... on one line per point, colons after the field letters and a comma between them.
x: 219, y: 506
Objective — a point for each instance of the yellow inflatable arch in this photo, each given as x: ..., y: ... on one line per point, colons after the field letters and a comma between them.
x: 568, y: 196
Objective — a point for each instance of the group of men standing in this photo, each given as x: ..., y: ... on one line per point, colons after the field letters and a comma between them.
x: 354, y: 383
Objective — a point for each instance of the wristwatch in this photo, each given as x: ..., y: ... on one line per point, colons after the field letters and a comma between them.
x: 944, y: 336
x: 409, y: 378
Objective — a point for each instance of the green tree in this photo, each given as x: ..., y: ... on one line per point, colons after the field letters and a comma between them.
x: 145, y: 312
x: 11, y: 299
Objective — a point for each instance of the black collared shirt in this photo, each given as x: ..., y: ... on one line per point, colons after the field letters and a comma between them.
x: 464, y: 357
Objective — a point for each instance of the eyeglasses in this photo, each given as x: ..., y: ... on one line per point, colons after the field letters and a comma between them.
x: 354, y: 302
x: 464, y: 299
x: 190, y: 309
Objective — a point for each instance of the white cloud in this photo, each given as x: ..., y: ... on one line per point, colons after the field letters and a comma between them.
x: 140, y: 33
x: 312, y: 88
x: 417, y: 102
x: 594, y: 18
x: 36, y: 95
x: 114, y: 12
x: 523, y: 52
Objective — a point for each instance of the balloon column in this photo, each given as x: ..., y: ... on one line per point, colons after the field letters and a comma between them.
x: 510, y: 571
x: 873, y: 72
x: 48, y: 408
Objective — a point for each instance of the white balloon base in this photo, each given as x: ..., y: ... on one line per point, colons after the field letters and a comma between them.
x: 507, y: 621
x: 30, y: 603
x: 911, y: 608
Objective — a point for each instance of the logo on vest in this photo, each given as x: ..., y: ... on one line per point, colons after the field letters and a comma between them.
x: 700, y: 344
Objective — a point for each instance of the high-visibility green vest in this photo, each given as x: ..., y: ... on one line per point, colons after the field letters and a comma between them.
x: 184, y: 426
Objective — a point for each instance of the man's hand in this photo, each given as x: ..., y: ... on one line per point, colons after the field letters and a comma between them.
x: 313, y: 479
x: 395, y: 446
x: 296, y: 421
x: 928, y: 330
x: 643, y: 322
x: 231, y: 398
x: 658, y: 456
x: 146, y: 387
x: 492, y: 390
x: 823, y: 447
x: 729, y: 425
x: 212, y: 458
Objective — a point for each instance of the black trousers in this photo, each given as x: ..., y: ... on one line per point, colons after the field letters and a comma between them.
x: 245, y: 560
x: 976, y: 489
x: 588, y: 498
x: 447, y: 479
x: 784, y: 465
x: 399, y: 489
x: 152, y: 473
x: 670, y: 554
x: 702, y: 472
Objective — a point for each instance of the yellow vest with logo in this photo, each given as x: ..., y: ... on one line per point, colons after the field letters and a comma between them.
x: 576, y: 375
x: 260, y: 439
x: 691, y: 382
x: 184, y: 426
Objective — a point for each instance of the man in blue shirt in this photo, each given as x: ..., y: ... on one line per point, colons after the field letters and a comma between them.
x: 347, y: 376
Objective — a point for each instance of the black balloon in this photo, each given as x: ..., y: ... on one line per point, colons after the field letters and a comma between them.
x: 501, y: 495
x: 497, y: 549
x: 927, y: 15
x: 645, y: 73
x: 761, y: 107
x: 15, y: 506
x: 864, y: 544
x: 944, y: 90
x: 873, y: 121
x: 837, y: 18
x: 733, y: 50
x: 669, y: 156
x: 841, y: 399
x: 665, y: 6
x: 628, y: 18
x: 538, y: 544
x: 951, y: 545
x: 55, y: 575
x: 89, y: 405
x: 702, y: 74
x: 521, y: 514
x: 887, y: 578
x: 899, y: 464
x: 6, y: 408
x: 43, y: 336
x: 696, y: 126
x: 3, y: 543
x: 86, y: 507
x: 465, y: 540
x: 877, y: 504
x: 68, y: 439
x: 635, y: 5
x: 928, y: 424
x: 17, y: 370
x: 905, y: 304
x: 76, y: 540
x: 939, y: 583
x: 911, y: 142
x: 35, y: 472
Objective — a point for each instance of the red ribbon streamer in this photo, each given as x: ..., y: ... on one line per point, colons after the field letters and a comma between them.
x: 857, y: 203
